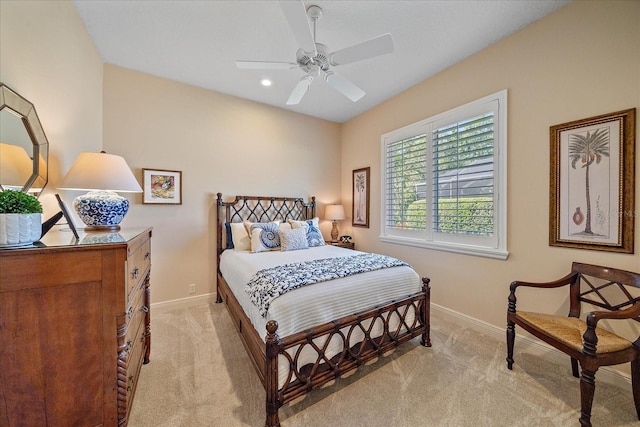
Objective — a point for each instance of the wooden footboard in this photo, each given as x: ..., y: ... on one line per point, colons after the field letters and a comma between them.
x: 402, y: 320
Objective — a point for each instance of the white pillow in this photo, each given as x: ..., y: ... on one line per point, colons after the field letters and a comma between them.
x: 314, y: 235
x: 264, y: 237
x: 240, y: 237
x: 293, y: 239
x: 285, y: 226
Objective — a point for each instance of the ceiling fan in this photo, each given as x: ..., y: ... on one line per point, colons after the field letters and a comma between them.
x: 315, y: 59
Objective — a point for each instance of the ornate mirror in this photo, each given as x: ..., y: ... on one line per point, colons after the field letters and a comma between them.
x: 24, y: 149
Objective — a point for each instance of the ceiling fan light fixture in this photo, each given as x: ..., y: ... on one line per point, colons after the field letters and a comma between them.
x: 316, y: 59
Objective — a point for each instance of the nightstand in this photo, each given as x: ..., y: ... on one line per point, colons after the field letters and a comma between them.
x: 349, y: 245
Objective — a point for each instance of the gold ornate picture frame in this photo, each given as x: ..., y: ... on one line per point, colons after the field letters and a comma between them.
x: 592, y: 183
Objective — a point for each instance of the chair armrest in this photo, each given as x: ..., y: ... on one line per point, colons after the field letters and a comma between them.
x: 571, y: 279
x: 594, y: 317
x: 566, y: 280
x: 590, y: 339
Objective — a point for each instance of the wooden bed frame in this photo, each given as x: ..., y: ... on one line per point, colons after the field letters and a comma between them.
x: 264, y: 354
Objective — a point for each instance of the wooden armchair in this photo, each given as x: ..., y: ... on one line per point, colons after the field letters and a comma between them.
x: 584, y: 341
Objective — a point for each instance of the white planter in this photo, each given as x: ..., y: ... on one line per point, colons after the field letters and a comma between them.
x: 20, y: 229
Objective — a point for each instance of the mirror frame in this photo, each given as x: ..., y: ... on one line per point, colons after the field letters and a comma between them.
x: 26, y: 111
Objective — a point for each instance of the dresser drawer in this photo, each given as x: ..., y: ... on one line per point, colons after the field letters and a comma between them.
x: 135, y: 343
x: 136, y: 313
x: 138, y: 263
x: 134, y: 364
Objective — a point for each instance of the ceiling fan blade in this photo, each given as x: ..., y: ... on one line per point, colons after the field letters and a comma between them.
x: 266, y: 65
x: 300, y: 90
x: 344, y: 86
x: 365, y: 50
x: 296, y: 15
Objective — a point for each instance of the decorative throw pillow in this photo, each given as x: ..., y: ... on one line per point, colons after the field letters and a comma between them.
x: 239, y: 237
x: 293, y: 239
x: 264, y: 237
x: 285, y: 226
x: 227, y: 227
x: 314, y: 236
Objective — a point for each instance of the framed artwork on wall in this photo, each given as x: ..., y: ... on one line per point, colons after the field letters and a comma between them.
x: 161, y: 187
x: 592, y: 183
x: 360, y: 198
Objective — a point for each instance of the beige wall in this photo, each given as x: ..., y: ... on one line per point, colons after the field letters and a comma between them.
x: 579, y: 62
x: 47, y: 56
x: 221, y: 144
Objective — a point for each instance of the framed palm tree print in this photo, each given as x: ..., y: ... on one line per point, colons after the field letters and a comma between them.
x: 592, y: 183
x: 360, y: 208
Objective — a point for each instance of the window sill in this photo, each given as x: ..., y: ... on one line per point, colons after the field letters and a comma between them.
x: 460, y: 249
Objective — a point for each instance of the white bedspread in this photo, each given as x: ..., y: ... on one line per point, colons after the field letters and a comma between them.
x: 314, y: 304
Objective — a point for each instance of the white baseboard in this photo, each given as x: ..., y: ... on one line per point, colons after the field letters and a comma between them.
x: 529, y: 344
x: 161, y: 307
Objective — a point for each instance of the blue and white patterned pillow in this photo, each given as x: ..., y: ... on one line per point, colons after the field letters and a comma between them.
x: 264, y: 237
x: 314, y: 235
x: 293, y: 239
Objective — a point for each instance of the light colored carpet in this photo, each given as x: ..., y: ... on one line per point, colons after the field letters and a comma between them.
x: 200, y: 375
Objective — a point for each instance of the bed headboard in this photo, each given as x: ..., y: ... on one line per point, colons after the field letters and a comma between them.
x: 260, y: 209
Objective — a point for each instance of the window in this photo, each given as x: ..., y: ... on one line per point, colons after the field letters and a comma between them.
x: 445, y: 180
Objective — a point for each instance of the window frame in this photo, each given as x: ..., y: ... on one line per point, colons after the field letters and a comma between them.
x: 491, y: 247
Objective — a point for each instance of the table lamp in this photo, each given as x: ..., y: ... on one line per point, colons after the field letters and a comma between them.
x: 334, y: 213
x: 102, y: 174
x: 16, y: 166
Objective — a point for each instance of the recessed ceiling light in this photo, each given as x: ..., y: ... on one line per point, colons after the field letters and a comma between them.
x: 265, y: 82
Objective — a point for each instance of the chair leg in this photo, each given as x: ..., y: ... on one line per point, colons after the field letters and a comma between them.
x: 635, y: 384
x: 574, y: 367
x: 511, y: 336
x: 587, y: 390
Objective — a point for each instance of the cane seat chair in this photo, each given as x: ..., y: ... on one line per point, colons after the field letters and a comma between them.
x: 615, y: 295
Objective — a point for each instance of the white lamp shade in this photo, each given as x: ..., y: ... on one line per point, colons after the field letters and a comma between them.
x: 16, y: 166
x: 334, y: 212
x: 100, y: 171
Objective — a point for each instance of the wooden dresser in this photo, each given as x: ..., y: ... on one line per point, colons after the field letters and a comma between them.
x: 74, y: 328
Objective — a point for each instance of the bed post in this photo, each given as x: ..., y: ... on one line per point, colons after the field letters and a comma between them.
x: 271, y: 375
x: 426, y: 312
x: 219, y: 244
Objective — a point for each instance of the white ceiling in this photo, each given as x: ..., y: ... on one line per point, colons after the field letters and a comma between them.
x: 198, y: 42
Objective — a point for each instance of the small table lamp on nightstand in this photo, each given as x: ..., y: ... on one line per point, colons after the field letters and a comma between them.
x: 334, y: 213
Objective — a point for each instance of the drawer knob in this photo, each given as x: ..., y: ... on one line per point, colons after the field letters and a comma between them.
x: 135, y: 272
x: 127, y: 348
x: 147, y: 255
x: 144, y: 308
x: 130, y: 312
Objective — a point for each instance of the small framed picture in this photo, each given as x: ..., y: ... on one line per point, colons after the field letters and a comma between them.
x: 161, y: 187
x: 67, y: 216
x: 360, y: 207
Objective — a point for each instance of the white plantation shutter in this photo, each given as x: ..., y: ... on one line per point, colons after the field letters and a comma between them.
x: 407, y: 170
x: 442, y: 180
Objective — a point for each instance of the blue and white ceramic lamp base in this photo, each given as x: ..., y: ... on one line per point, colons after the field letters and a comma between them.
x: 101, y: 210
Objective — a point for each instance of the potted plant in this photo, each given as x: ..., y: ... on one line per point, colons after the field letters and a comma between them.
x: 20, y: 218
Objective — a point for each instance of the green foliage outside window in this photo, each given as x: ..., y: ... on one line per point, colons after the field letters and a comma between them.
x: 469, y: 215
